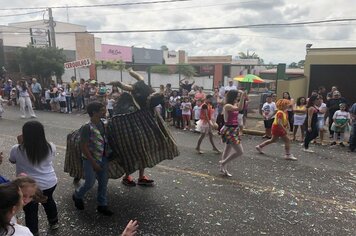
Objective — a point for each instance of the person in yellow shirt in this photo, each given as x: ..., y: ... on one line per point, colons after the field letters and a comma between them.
x: 280, y: 128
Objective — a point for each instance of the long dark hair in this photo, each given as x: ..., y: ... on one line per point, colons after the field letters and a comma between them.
x: 231, y: 96
x: 299, y: 101
x: 34, y: 142
x: 23, y: 85
x: 10, y: 197
x: 287, y: 94
x: 311, y: 100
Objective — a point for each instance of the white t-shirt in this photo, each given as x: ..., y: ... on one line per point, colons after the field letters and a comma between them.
x: 322, y: 107
x: 196, y: 111
x: 22, y: 93
x: 20, y: 230
x: 228, y: 88
x: 110, y: 104
x: 43, y: 173
x: 341, y: 115
x: 268, y: 109
x: 186, y: 108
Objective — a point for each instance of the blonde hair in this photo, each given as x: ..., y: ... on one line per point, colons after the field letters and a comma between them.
x: 282, y: 104
x: 24, y: 181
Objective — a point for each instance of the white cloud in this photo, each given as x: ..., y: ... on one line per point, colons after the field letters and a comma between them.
x: 283, y: 44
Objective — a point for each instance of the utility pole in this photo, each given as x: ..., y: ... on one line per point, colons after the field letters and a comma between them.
x: 51, y: 28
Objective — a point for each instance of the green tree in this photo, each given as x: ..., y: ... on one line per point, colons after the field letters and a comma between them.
x: 293, y: 65
x: 41, y: 62
x: 186, y: 70
x: 301, y: 63
x: 160, y: 69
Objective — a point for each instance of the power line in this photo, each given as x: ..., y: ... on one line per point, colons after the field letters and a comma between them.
x: 22, y: 14
x: 95, y: 5
x: 273, y: 25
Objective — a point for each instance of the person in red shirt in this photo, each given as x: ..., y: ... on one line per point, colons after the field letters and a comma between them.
x: 280, y: 128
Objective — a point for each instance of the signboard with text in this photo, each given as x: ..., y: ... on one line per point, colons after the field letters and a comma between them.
x: 77, y: 63
x: 39, y: 37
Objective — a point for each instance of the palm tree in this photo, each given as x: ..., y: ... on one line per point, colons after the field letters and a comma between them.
x: 242, y: 55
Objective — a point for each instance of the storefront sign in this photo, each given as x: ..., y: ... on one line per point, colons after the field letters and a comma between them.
x: 77, y: 64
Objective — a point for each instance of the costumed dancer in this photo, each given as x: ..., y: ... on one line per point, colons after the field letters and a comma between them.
x: 230, y: 131
x: 137, y: 133
x: 280, y: 129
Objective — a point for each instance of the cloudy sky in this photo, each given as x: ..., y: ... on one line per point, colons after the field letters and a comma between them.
x: 273, y: 44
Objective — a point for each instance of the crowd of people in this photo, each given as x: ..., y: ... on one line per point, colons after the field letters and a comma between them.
x: 188, y: 108
x: 311, y: 115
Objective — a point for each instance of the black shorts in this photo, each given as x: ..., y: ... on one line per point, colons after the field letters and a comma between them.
x: 268, y: 123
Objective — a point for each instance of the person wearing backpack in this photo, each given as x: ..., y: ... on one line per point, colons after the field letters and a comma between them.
x: 93, y: 144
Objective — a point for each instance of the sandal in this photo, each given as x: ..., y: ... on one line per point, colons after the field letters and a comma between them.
x: 144, y: 181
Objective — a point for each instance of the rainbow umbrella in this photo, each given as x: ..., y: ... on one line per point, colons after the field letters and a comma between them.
x: 249, y: 78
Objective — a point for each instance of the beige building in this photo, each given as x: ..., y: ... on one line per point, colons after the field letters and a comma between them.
x: 331, y: 67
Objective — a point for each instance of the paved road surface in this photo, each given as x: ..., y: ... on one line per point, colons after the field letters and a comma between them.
x: 266, y: 195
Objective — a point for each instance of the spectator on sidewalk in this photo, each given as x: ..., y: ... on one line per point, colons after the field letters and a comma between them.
x: 269, y: 110
x: 37, y: 91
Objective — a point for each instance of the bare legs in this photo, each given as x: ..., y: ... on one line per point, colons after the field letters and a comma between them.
x: 231, y: 151
x: 295, y: 131
x: 286, y: 141
x: 200, y: 140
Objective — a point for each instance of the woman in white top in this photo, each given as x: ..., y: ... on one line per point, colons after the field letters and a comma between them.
x: 11, y: 203
x: 24, y: 99
x: 33, y: 156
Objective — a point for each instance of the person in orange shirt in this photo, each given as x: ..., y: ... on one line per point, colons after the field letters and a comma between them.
x: 280, y: 128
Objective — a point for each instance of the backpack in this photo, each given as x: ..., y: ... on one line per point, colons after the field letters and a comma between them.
x: 73, y: 158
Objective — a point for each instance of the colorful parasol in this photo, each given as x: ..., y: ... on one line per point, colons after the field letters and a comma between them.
x: 249, y: 78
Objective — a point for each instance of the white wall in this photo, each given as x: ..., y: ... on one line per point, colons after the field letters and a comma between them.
x: 156, y: 79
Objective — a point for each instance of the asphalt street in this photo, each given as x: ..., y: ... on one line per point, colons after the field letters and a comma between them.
x: 266, y: 195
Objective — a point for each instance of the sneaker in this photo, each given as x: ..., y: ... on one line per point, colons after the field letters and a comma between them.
x: 33, y: 116
x: 144, y: 181
x: 290, y: 157
x: 78, y: 203
x: 23, y: 117
x: 333, y: 143
x: 54, y: 226
x: 128, y: 181
x: 308, y: 150
x: 342, y: 144
x: 259, y: 149
x: 185, y: 129
x: 104, y: 210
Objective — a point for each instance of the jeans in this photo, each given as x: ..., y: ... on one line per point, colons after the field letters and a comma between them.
x: 69, y: 104
x: 50, y: 207
x: 79, y: 102
x: 90, y: 176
